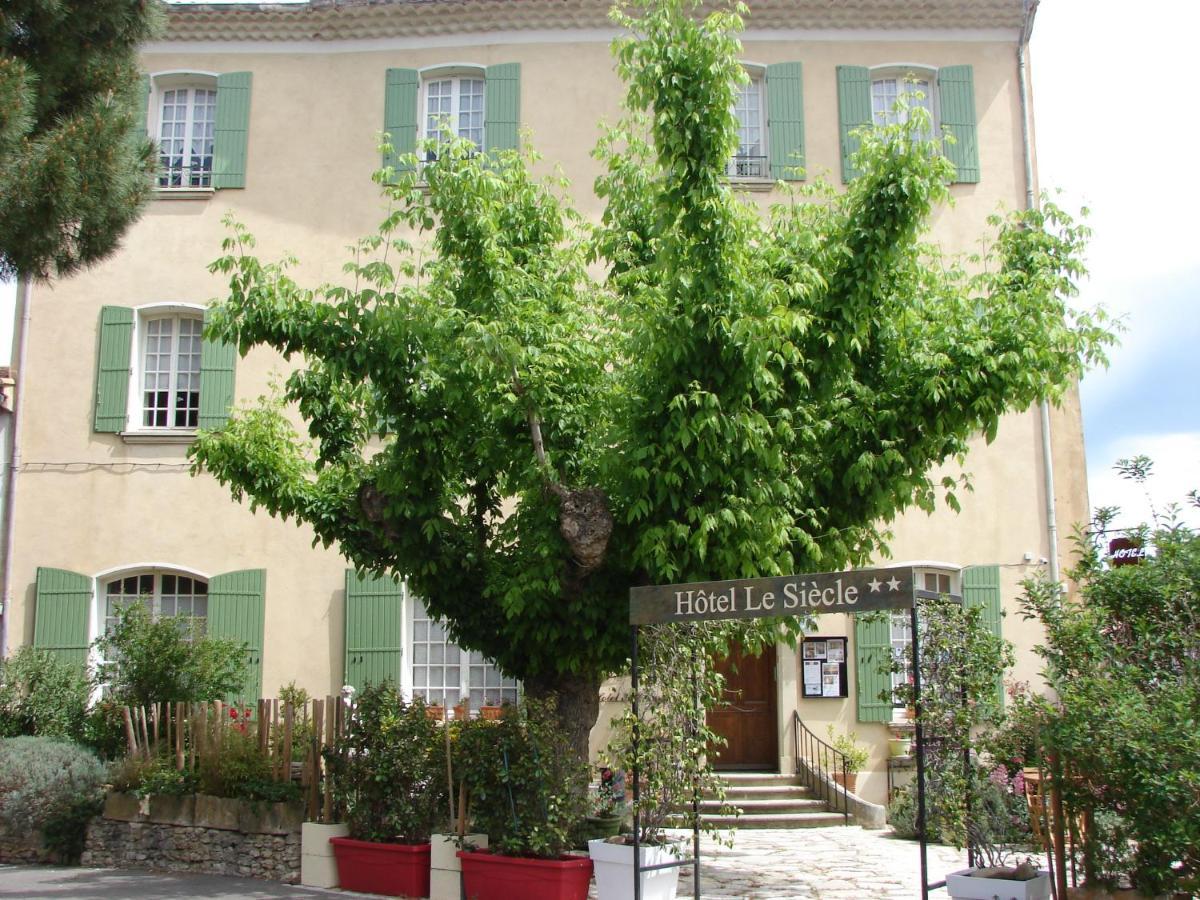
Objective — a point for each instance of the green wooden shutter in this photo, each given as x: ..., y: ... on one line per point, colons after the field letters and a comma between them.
x: 217, y: 364
x: 981, y: 587
x: 956, y: 98
x: 872, y: 649
x: 230, y: 130
x: 785, y: 115
x: 374, y: 605
x: 502, y: 107
x: 400, y: 113
x: 236, y: 602
x: 113, y: 369
x: 854, y: 112
x: 142, y: 108
x: 60, y: 622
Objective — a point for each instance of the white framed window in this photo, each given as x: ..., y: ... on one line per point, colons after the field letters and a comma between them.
x: 750, y: 108
x: 444, y: 674
x: 940, y: 581
x: 186, y: 122
x: 163, y: 593
x: 168, y: 370
x: 452, y: 106
x: 916, y: 85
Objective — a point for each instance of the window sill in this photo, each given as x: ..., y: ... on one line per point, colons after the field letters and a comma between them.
x: 753, y: 185
x: 183, y: 193
x: 165, y: 436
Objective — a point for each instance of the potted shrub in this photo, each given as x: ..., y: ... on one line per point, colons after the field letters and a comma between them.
x: 386, y: 772
x: 899, y: 743
x: 606, y: 806
x: 491, y: 709
x: 995, y: 829
x: 527, y: 793
x: 856, y: 757
x: 1023, y: 881
x: 673, y: 761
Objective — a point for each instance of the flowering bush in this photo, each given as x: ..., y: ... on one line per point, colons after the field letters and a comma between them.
x: 608, y: 799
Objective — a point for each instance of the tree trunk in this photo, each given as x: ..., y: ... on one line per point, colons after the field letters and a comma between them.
x: 577, y: 705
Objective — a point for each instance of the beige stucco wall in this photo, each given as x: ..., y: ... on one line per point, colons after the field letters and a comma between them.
x: 313, y: 126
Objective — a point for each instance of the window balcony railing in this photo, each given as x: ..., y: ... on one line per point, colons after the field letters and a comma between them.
x: 742, y: 166
x: 176, y: 176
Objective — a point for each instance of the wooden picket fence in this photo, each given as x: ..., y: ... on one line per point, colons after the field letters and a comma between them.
x: 192, y: 731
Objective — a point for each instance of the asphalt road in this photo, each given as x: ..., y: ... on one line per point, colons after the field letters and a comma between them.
x: 36, y: 882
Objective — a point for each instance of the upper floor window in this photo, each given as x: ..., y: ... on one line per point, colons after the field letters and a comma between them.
x: 916, y: 89
x: 751, y: 159
x: 170, y: 371
x: 182, y: 113
x: 186, y: 122
x: 769, y: 110
x: 157, y: 379
x: 868, y: 96
x: 453, y: 107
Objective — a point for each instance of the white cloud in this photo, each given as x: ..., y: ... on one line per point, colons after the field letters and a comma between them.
x: 1176, y: 471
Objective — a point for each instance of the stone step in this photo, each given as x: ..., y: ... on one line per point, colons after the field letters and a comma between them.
x: 759, y: 779
x: 779, y: 820
x: 766, y: 807
x: 753, y: 792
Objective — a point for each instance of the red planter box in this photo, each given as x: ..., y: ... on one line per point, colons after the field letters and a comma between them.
x: 490, y: 876
x: 398, y: 870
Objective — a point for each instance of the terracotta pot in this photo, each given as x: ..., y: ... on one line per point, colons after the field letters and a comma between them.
x: 397, y: 870
x: 490, y: 876
x: 849, y: 781
x: 490, y: 712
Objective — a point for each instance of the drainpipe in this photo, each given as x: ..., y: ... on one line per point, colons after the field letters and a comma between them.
x: 20, y: 340
x: 1031, y: 203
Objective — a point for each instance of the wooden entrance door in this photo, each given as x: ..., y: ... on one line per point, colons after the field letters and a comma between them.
x: 747, y: 720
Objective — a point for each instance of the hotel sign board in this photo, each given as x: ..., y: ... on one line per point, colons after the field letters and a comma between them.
x: 856, y: 591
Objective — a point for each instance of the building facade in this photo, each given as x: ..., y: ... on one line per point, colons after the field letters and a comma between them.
x: 273, y: 113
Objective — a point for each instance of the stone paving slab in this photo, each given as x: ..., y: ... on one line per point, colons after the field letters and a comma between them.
x: 835, y: 863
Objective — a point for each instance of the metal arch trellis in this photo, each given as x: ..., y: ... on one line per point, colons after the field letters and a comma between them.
x: 852, y: 592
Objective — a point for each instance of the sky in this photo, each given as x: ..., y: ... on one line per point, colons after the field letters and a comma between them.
x: 1120, y: 140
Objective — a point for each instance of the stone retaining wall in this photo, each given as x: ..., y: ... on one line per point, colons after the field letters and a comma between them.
x: 25, y: 849
x: 205, y: 834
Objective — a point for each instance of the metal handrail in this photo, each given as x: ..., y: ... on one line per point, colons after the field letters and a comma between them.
x: 746, y: 166
x: 816, y: 763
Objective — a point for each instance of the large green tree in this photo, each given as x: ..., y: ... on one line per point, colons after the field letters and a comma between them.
x: 74, y: 171
x: 735, y: 395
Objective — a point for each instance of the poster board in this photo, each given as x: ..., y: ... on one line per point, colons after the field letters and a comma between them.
x: 823, y: 668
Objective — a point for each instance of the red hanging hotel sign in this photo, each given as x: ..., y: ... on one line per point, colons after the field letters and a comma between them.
x: 1125, y: 551
x: 860, y: 590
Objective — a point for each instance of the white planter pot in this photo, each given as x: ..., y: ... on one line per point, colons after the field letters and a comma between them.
x: 317, y: 866
x: 445, y: 868
x: 614, y: 871
x: 962, y: 886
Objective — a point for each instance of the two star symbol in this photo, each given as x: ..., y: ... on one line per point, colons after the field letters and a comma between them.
x: 893, y: 584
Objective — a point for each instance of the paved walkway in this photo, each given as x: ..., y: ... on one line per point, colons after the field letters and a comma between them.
x: 828, y: 863
x: 839, y: 863
x: 62, y: 883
